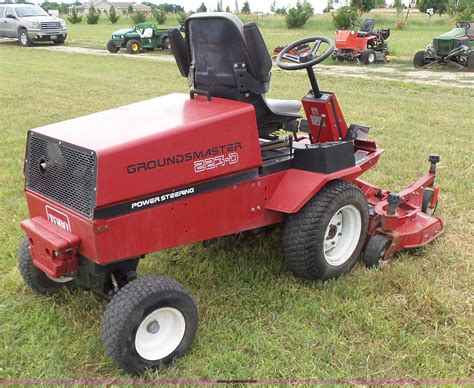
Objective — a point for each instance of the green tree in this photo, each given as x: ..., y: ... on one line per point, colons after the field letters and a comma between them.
x: 113, y: 17
x: 93, y: 16
x: 130, y: 9
x: 159, y: 15
x: 202, y: 8
x: 461, y: 10
x: 246, y: 8
x: 299, y: 14
x: 363, y: 6
x: 281, y: 11
x: 138, y: 17
x: 342, y: 18
x: 74, y: 18
x: 219, y: 6
x: 181, y: 17
x: 398, y: 5
x: 227, y: 9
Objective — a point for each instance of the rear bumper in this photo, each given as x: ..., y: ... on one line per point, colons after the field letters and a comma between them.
x: 53, y: 249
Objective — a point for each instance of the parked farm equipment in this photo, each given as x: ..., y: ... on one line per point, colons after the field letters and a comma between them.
x: 142, y: 36
x: 366, y: 45
x: 455, y: 47
x: 105, y: 190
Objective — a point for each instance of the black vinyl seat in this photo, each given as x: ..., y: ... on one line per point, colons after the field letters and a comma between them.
x: 366, y: 28
x: 228, y: 59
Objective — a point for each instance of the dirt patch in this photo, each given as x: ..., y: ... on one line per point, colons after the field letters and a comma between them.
x: 442, y: 77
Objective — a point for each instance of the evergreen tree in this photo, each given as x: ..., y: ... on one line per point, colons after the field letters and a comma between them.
x: 74, y: 18
x: 93, y: 16
x: 202, y: 8
x: 246, y: 8
x: 113, y: 17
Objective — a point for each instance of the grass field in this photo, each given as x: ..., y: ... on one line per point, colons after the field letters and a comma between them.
x: 418, y: 32
x: 413, y: 320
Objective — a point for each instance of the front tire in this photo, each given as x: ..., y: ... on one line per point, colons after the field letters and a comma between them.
x: 149, y: 322
x: 324, y: 239
x: 368, y: 57
x: 419, y: 59
x: 470, y: 62
x: 375, y: 250
x: 36, y: 279
x: 134, y: 46
x: 24, y: 38
x: 112, y: 48
x: 166, y: 45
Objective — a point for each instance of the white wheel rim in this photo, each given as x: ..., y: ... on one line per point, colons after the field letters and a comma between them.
x: 371, y: 58
x: 160, y: 333
x: 62, y: 279
x: 342, y: 235
x: 23, y: 38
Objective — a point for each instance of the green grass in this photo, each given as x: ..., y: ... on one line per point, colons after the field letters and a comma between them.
x: 412, y: 320
x: 419, y: 31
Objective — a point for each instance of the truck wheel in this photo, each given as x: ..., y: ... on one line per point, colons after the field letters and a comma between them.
x: 23, y: 38
x: 36, y: 279
x: 324, y: 239
x: 375, y: 250
x: 149, y: 322
x: 368, y: 57
x: 134, y: 46
x: 112, y: 48
x: 419, y: 59
x: 60, y: 40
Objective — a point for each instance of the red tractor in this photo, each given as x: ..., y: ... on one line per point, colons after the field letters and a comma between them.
x: 366, y: 45
x: 106, y: 189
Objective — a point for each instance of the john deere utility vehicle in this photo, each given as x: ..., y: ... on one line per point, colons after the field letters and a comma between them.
x: 455, y: 47
x: 143, y: 36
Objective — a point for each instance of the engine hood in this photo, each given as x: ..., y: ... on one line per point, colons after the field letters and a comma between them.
x: 43, y: 19
x: 454, y: 33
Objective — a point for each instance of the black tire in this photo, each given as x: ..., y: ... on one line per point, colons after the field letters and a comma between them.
x: 375, y: 250
x: 368, y: 57
x: 470, y: 62
x: 426, y: 206
x: 60, y: 40
x: 135, y: 303
x: 165, y: 44
x: 34, y: 277
x: 419, y: 59
x: 134, y: 46
x: 23, y: 38
x: 112, y: 48
x: 306, y: 232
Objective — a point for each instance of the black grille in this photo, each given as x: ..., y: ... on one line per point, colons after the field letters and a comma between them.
x: 62, y: 172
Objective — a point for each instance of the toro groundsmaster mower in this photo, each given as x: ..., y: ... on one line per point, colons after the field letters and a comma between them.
x: 455, y: 47
x: 142, y: 36
x: 366, y: 45
x: 106, y: 189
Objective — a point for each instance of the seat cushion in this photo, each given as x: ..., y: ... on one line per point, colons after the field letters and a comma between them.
x: 284, y: 107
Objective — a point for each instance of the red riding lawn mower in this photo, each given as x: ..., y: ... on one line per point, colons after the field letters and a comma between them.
x: 106, y: 189
x: 366, y: 45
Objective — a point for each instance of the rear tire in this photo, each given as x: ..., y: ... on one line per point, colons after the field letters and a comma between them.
x: 470, y: 62
x: 165, y: 44
x: 419, y: 59
x: 368, y: 57
x: 324, y: 239
x: 148, y: 323
x: 134, y: 46
x: 112, y: 48
x: 36, y: 279
x: 23, y: 38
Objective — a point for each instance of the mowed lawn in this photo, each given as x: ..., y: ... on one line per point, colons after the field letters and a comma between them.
x: 418, y: 33
x: 411, y: 320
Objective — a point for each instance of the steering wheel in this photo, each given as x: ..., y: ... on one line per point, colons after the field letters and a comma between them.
x: 466, y: 25
x: 355, y: 23
x: 306, y: 59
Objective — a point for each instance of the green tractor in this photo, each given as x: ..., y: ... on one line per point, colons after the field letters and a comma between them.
x: 143, y: 36
x: 455, y: 47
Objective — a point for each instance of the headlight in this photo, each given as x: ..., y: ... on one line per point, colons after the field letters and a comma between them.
x: 121, y: 36
x: 35, y: 25
x: 63, y: 24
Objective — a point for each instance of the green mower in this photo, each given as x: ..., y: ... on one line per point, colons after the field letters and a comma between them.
x: 143, y: 36
x: 455, y: 47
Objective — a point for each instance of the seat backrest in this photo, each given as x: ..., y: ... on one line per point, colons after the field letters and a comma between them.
x: 367, y: 25
x: 218, y: 42
x: 148, y: 32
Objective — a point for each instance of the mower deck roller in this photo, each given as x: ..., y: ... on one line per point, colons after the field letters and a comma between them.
x: 106, y: 189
